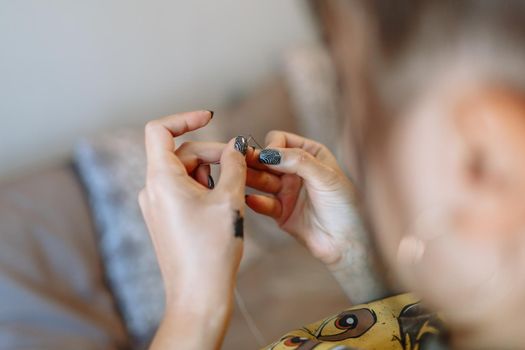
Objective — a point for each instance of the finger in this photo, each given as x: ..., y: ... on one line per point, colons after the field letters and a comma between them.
x: 233, y: 169
x: 159, y: 136
x: 264, y: 205
x: 285, y: 139
x: 252, y: 160
x: 203, y: 176
x: 263, y: 181
x: 302, y: 163
x: 192, y: 154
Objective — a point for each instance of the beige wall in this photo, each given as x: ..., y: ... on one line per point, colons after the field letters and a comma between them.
x: 71, y: 67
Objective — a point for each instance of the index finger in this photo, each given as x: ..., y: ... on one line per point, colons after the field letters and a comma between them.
x: 160, y: 134
x: 283, y: 139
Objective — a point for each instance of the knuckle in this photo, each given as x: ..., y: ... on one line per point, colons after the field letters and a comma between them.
x: 155, y: 186
x: 238, y: 162
x: 152, y: 124
x: 331, y: 172
x: 303, y: 156
x: 185, y: 144
x: 265, y: 181
x: 332, y: 177
x: 141, y: 197
x: 184, y: 148
x: 322, y: 147
x: 151, y: 127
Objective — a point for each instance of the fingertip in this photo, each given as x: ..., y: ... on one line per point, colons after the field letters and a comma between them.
x: 233, y: 167
x: 207, y: 116
x: 251, y: 202
x: 240, y: 144
x: 248, y: 202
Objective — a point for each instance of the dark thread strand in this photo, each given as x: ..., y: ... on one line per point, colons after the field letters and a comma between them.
x: 250, y: 137
x: 270, y: 156
x: 211, y: 183
x: 241, y: 144
x: 238, y: 225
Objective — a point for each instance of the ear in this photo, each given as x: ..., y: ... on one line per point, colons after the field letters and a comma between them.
x: 491, y: 127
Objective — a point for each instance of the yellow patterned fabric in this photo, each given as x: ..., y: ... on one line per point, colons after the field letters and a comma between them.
x: 396, y: 323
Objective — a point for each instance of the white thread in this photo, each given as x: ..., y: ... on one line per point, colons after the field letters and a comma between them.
x: 257, y: 334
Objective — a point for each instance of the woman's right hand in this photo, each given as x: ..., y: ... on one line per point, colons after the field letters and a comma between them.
x: 318, y: 205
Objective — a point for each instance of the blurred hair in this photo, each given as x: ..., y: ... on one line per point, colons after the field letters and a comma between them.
x: 389, y: 52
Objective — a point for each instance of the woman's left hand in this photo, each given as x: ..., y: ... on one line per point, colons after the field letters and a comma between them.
x: 197, y: 233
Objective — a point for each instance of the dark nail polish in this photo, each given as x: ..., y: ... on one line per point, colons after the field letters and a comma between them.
x: 270, y: 156
x: 211, y: 183
x: 212, y: 113
x: 241, y: 144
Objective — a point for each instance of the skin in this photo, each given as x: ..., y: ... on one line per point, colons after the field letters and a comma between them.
x: 199, y: 258
x: 444, y: 194
x: 452, y: 230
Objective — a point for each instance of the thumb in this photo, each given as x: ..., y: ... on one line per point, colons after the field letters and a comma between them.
x: 299, y: 162
x: 233, y: 169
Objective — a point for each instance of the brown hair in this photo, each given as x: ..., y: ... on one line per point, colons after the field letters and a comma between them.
x: 386, y: 52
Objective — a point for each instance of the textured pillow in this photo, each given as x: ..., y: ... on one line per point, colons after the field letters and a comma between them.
x: 112, y: 169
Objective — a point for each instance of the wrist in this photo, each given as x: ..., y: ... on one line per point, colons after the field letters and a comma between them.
x: 356, y: 273
x: 200, y: 304
x: 194, y: 323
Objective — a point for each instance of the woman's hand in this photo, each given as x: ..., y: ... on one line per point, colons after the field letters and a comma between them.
x: 317, y: 204
x: 197, y: 232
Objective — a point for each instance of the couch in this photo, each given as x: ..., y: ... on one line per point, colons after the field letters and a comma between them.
x: 58, y: 293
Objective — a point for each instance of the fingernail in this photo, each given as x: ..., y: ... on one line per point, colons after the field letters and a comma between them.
x: 241, y: 144
x: 211, y: 112
x: 270, y: 156
x: 211, y: 183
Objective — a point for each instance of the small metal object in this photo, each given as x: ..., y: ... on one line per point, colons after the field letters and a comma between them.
x: 251, y: 138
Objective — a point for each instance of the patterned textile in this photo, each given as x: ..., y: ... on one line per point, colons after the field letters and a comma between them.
x: 395, y: 323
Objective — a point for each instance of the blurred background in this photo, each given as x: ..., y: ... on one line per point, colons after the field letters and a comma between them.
x: 78, y: 81
x: 68, y: 68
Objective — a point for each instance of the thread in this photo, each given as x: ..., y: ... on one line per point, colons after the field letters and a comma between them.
x: 252, y: 326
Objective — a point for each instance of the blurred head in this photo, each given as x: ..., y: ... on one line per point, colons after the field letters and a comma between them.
x: 436, y: 97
